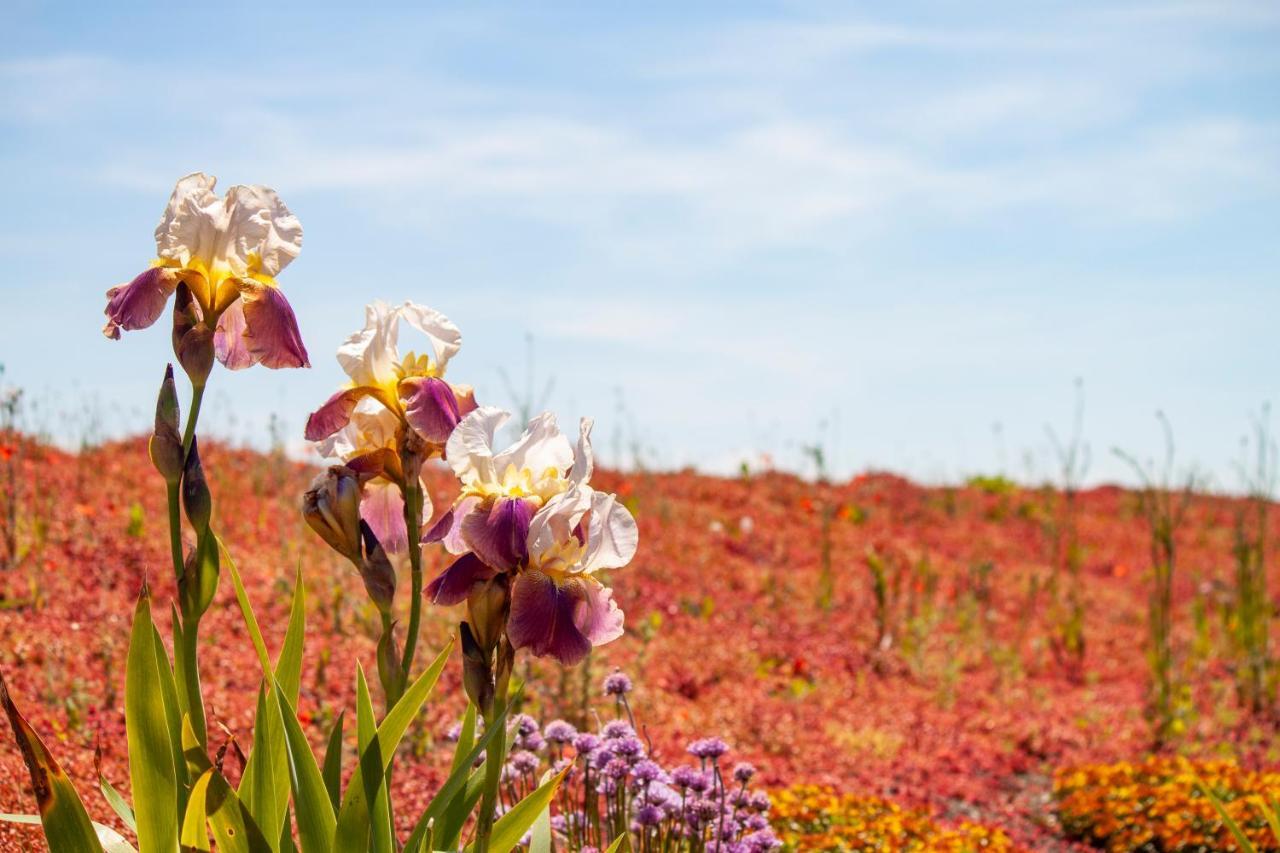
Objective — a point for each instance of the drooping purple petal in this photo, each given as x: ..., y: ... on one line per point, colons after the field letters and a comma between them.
x: 228, y: 339
x: 139, y: 303
x: 430, y: 407
x: 334, y: 414
x: 499, y: 535
x: 448, y: 530
x: 596, y: 614
x: 542, y: 619
x: 382, y: 507
x: 453, y: 585
x: 271, y: 329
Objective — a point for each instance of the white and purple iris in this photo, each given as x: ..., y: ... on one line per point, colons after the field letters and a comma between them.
x: 391, y: 399
x: 529, y: 512
x: 227, y: 250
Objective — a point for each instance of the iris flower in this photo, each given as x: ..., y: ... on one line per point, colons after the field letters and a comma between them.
x: 391, y: 400
x: 227, y: 250
x: 529, y: 512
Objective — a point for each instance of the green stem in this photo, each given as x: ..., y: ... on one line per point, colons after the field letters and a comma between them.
x: 413, y: 525
x: 197, y: 397
x: 186, y: 665
x: 495, y: 755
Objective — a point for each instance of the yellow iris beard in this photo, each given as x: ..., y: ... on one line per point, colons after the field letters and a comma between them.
x: 521, y: 483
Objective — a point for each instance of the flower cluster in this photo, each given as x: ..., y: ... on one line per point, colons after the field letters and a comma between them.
x: 613, y: 785
x: 530, y: 535
x: 1157, y: 804
x: 810, y: 817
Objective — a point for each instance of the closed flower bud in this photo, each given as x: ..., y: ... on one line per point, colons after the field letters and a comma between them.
x: 192, y: 338
x: 165, y: 446
x: 477, y: 675
x: 376, y: 570
x: 195, y: 491
x: 487, y: 609
x: 331, y: 508
x: 390, y: 672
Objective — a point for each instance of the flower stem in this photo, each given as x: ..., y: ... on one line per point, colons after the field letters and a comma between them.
x: 413, y: 526
x: 187, y: 669
x: 495, y: 755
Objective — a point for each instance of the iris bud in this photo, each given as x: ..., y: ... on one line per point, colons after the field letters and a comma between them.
x: 165, y: 446
x: 331, y: 508
x: 487, y: 608
x: 192, y: 338
x: 195, y: 491
x: 477, y: 675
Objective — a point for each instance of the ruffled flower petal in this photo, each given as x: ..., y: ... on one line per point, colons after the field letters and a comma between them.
x: 584, y: 461
x: 612, y: 535
x: 382, y: 508
x: 369, y: 356
x: 555, y: 522
x: 453, y: 585
x: 448, y: 530
x: 543, y: 619
x: 444, y: 336
x: 430, y: 407
x: 542, y: 447
x: 249, y: 231
x: 499, y: 535
x: 139, y: 303
x: 596, y: 614
x: 334, y: 414
x: 470, y: 446
x: 271, y: 329
x: 229, y: 343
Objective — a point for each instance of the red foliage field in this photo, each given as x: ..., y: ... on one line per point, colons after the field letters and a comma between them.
x: 963, y: 707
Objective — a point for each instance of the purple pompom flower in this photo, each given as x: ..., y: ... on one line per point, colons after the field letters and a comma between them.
x: 617, y: 684
x: 558, y: 731
x: 708, y: 748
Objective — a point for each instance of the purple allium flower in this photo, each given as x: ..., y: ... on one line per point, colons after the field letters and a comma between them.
x: 559, y: 823
x: 756, y: 822
x: 523, y: 762
x: 629, y: 747
x: 649, y: 771
x: 708, y: 747
x: 586, y: 743
x: 617, y: 684
x: 454, y: 732
x: 741, y: 798
x: 607, y: 786
x: 523, y: 724
x: 762, y: 841
x: 600, y: 758
x: 743, y: 772
x: 685, y: 776
x: 558, y: 731
x: 618, y: 768
x: 615, y: 729
x: 648, y: 815
x: 760, y: 801
x: 533, y: 742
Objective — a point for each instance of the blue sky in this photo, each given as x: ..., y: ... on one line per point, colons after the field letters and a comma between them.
x: 732, y: 230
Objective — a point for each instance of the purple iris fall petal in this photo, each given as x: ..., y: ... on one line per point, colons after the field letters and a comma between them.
x: 139, y: 303
x: 334, y: 414
x: 596, y: 614
x: 430, y: 407
x: 453, y: 585
x: 383, y: 509
x: 500, y: 535
x: 271, y: 333
x: 228, y: 339
x: 448, y: 530
x: 542, y: 619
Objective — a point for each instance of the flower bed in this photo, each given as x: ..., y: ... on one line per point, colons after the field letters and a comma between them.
x: 811, y: 817
x: 1156, y: 805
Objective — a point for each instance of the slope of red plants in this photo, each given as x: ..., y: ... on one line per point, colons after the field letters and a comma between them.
x: 959, y: 705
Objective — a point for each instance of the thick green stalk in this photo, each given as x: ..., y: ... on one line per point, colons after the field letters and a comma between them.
x: 413, y: 526
x: 495, y: 755
x: 186, y: 665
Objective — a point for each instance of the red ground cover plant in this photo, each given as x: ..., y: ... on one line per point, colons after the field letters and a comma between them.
x: 935, y: 687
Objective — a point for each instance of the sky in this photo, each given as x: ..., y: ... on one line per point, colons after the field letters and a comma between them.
x: 727, y: 231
